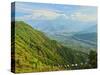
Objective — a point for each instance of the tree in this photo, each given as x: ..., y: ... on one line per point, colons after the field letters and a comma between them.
x: 93, y: 59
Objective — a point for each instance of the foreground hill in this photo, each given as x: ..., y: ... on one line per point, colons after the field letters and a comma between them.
x: 36, y: 52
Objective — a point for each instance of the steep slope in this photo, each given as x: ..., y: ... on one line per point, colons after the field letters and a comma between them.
x: 36, y: 52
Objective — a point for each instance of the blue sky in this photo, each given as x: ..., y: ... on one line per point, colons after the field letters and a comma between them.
x: 31, y: 12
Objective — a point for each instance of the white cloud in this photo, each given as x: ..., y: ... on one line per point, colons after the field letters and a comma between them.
x: 40, y: 14
x: 43, y: 14
x: 78, y: 16
x: 24, y: 18
x: 83, y: 14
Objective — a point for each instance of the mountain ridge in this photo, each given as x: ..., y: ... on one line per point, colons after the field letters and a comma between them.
x: 33, y: 51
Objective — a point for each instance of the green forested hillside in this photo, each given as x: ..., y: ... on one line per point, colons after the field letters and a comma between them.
x: 35, y: 52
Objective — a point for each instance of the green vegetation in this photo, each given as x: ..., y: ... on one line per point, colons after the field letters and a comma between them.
x: 93, y: 59
x: 34, y: 52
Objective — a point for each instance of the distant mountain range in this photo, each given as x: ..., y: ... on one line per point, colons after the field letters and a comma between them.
x: 62, y: 25
x: 69, y: 32
x: 85, y: 38
x: 90, y: 29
